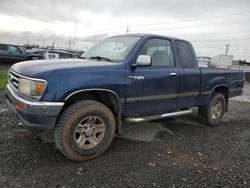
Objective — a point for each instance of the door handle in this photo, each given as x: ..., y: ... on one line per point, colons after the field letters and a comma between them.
x: 172, y: 74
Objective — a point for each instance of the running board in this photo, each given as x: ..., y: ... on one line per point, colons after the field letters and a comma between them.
x: 155, y: 117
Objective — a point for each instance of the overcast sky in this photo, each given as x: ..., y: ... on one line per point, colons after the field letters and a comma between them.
x: 210, y: 25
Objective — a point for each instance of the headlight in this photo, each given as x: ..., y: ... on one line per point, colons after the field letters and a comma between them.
x: 31, y: 88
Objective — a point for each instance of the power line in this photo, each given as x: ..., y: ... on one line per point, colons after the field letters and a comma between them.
x: 171, y: 22
x: 221, y: 40
x: 194, y: 25
x: 194, y: 19
x: 212, y: 34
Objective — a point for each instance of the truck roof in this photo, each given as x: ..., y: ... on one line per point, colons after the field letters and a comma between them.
x: 150, y: 35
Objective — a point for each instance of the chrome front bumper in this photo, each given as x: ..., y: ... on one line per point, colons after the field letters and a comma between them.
x: 34, y: 114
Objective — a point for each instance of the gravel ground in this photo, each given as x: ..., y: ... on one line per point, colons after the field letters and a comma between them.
x: 177, y: 152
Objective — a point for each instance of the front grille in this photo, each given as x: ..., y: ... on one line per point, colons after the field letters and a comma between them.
x: 14, y: 80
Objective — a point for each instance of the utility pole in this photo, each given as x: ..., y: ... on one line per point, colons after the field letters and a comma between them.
x: 227, y: 49
x: 127, y: 29
x: 43, y: 43
x: 69, y: 41
x: 75, y: 30
x: 53, y: 45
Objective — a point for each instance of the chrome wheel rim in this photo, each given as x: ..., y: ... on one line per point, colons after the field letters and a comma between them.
x: 89, y: 132
x: 216, y: 110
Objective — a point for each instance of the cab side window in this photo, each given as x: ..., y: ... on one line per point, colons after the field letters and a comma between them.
x: 160, y: 51
x: 14, y: 49
x: 185, y: 54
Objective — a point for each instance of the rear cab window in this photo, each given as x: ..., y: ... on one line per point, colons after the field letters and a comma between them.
x: 184, y: 54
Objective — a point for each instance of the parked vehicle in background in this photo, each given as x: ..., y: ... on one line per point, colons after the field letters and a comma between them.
x: 59, y: 54
x: 133, y: 78
x: 39, y: 51
x: 13, y: 53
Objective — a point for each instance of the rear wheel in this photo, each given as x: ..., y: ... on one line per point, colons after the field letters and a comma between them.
x: 85, y: 130
x: 212, y: 113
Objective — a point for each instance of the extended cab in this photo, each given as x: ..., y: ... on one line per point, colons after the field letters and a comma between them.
x: 135, y: 78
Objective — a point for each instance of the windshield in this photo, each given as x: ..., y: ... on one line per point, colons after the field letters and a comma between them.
x: 112, y: 49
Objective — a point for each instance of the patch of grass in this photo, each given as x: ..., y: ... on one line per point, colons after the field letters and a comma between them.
x: 3, y: 79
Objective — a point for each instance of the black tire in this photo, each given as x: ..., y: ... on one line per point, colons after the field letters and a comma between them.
x: 207, y: 114
x: 70, y: 121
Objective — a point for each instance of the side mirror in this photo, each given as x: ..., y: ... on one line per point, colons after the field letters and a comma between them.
x: 143, y: 61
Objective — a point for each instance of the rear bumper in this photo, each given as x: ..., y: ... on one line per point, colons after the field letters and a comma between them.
x: 34, y: 114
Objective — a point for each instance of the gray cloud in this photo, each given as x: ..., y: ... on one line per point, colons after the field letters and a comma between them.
x: 48, y: 38
x: 28, y: 35
x: 64, y: 10
x: 222, y: 31
x: 94, y: 38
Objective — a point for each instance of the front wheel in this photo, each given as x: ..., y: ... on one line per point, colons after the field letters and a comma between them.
x: 85, y: 130
x: 212, y: 113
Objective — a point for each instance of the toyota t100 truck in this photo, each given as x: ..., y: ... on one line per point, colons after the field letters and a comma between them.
x: 134, y: 78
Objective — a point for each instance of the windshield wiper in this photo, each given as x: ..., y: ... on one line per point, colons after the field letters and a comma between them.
x: 101, y: 58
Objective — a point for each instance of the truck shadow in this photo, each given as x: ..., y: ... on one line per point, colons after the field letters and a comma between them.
x: 150, y: 131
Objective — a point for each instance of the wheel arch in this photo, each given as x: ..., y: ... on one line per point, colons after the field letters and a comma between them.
x: 104, y: 96
x: 222, y: 89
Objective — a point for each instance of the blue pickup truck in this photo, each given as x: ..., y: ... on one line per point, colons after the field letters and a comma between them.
x: 134, y: 78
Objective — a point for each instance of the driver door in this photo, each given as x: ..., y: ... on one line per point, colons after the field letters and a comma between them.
x: 155, y: 89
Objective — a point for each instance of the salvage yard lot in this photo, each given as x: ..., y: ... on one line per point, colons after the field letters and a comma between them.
x: 182, y: 153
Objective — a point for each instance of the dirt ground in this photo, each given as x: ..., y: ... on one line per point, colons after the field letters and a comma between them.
x: 177, y: 152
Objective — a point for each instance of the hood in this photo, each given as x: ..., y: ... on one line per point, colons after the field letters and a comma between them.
x: 37, y: 68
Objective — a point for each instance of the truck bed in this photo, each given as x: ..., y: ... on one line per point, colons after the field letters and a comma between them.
x: 232, y: 79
